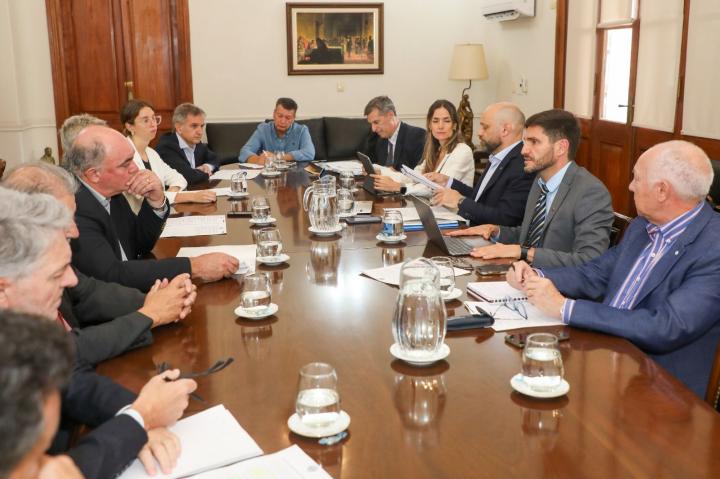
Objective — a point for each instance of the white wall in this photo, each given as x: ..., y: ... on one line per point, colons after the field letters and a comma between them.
x: 239, y: 65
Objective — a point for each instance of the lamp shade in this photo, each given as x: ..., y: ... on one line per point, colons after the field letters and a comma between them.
x: 468, y: 62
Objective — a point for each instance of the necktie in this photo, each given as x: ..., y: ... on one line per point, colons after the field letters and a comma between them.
x: 537, y: 224
x: 391, y: 154
x: 61, y: 321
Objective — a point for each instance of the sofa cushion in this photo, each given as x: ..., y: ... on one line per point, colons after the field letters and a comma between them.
x: 226, y: 139
x: 317, y: 134
x: 345, y: 136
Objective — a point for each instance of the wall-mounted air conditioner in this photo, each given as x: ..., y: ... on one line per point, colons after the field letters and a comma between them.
x: 502, y: 10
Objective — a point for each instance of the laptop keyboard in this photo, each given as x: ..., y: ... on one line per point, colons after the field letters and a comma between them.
x: 456, y: 246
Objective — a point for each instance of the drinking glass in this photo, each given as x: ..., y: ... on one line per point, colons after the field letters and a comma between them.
x: 260, y: 209
x: 542, y: 366
x: 318, y: 402
x: 280, y: 163
x: 270, y: 167
x: 347, y: 180
x: 269, y: 243
x: 238, y: 183
x: 392, y: 223
x: 345, y: 201
x: 256, y: 293
x: 447, y: 274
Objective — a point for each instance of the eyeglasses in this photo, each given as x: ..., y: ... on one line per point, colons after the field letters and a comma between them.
x: 515, y: 305
x: 146, y: 120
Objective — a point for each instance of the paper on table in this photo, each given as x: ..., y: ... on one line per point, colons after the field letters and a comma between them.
x: 494, y: 291
x: 194, y: 226
x: 252, y: 166
x: 353, y: 166
x: 245, y: 254
x: 410, y: 214
x: 391, y: 274
x: 418, y: 178
x: 290, y: 463
x: 506, y: 319
x: 363, y: 207
x: 228, y: 174
x: 209, y: 439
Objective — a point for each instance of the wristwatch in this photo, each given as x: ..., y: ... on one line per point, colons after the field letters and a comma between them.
x: 524, y: 252
x: 162, y: 207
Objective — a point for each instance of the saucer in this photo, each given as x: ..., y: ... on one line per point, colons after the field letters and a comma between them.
x: 269, y: 220
x: 391, y: 239
x: 297, y: 426
x: 325, y: 233
x: 520, y: 386
x: 271, y: 174
x: 259, y: 314
x: 420, y: 360
x: 232, y: 195
x: 346, y: 215
x: 451, y: 295
x: 272, y: 260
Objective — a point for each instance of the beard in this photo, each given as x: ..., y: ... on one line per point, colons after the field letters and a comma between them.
x: 488, y: 146
x: 540, y: 163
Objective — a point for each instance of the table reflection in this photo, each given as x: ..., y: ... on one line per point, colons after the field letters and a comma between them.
x: 420, y: 401
x: 391, y: 256
x: 324, y: 260
x: 255, y: 342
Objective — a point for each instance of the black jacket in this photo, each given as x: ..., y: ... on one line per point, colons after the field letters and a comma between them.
x: 169, y: 150
x: 408, y: 147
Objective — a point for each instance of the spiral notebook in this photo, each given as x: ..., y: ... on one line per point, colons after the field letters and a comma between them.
x: 495, y: 291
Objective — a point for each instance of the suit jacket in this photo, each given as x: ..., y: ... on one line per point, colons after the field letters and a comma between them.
x: 97, y: 251
x: 577, y: 228
x: 94, y: 400
x: 676, y: 318
x: 408, y: 147
x: 169, y: 149
x: 502, y: 202
x: 105, y: 319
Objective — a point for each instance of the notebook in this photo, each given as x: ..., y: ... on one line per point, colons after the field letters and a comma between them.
x: 495, y: 291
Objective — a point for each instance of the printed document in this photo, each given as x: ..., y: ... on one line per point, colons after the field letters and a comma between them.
x: 228, y: 174
x: 419, y: 178
x: 245, y: 254
x: 507, y: 318
x: 194, y: 226
x: 391, y: 274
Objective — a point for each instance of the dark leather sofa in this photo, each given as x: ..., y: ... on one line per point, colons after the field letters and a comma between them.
x: 334, y: 138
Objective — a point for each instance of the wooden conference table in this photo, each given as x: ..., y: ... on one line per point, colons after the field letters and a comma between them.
x: 623, y: 417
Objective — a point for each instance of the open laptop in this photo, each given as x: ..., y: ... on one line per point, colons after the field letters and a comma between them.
x: 448, y: 244
x: 369, y: 170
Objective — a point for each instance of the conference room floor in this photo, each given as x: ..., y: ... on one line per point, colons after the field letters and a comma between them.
x: 624, y: 416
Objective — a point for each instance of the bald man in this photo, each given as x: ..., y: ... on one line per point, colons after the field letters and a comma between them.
x: 112, y: 239
x: 659, y: 286
x: 500, y: 193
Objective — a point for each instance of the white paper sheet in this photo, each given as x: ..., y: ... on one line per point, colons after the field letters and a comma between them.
x: 228, y: 174
x: 391, y: 274
x: 353, y: 166
x: 209, y: 439
x: 252, y: 166
x: 197, y: 225
x: 507, y: 319
x: 492, y: 291
x: 363, y: 207
x: 245, y: 254
x: 419, y: 178
x: 290, y: 463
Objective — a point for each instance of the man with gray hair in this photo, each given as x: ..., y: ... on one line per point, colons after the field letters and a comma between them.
x: 34, y: 271
x: 393, y: 143
x: 74, y: 125
x: 659, y: 286
x: 183, y: 149
x: 106, y: 319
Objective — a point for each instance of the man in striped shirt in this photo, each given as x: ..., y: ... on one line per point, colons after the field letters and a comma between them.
x: 660, y: 287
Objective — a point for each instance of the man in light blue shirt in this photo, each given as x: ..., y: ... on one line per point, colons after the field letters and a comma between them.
x: 281, y: 134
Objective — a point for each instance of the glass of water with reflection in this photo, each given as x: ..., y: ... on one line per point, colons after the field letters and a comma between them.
x: 392, y: 223
x: 347, y: 180
x: 447, y: 274
x: 260, y: 209
x: 256, y: 293
x: 345, y: 202
x: 269, y: 243
x: 542, y: 366
x: 238, y: 183
x: 318, y: 402
x: 280, y: 163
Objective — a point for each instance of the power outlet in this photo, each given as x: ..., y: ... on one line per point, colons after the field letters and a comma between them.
x: 521, y: 87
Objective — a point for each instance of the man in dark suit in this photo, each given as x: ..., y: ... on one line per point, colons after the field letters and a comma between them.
x: 112, y: 238
x: 500, y: 193
x: 34, y: 271
x: 659, y: 286
x: 393, y: 143
x: 183, y: 149
x: 107, y: 319
x: 569, y: 212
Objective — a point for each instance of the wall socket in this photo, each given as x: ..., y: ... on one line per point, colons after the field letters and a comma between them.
x: 521, y: 87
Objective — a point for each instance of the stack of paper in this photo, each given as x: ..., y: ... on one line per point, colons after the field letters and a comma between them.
x: 391, y: 274
x: 444, y: 218
x: 252, y: 166
x: 245, y: 254
x: 194, y: 226
x: 228, y: 174
x: 209, y: 439
x: 419, y: 178
x: 353, y: 166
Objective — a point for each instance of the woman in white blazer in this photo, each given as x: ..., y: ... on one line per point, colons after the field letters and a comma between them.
x: 141, y: 124
x: 444, y: 153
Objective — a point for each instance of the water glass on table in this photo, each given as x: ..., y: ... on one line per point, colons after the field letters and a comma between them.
x: 318, y: 402
x: 280, y: 163
x: 260, y: 209
x: 238, y: 183
x: 345, y: 202
x: 256, y: 293
x: 447, y: 274
x: 392, y: 224
x: 269, y: 243
x: 542, y: 365
x: 270, y: 166
x: 347, y: 180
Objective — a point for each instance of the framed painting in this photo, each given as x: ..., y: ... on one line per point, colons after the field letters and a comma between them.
x: 334, y: 38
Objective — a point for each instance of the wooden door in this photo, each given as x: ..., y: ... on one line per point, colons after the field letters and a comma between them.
x: 104, y: 52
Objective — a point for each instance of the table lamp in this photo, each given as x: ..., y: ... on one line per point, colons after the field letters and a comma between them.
x: 468, y: 63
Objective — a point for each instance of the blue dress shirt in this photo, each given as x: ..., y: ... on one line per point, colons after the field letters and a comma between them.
x: 296, y: 142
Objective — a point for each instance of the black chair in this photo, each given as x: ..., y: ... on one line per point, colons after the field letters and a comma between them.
x: 3, y: 164
x: 714, y: 195
x: 712, y: 395
x: 617, y: 230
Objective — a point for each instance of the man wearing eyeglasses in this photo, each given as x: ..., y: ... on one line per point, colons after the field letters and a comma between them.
x: 183, y: 149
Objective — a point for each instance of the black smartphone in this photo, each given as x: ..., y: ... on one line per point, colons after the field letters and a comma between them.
x: 518, y: 339
x: 491, y: 269
x: 361, y: 220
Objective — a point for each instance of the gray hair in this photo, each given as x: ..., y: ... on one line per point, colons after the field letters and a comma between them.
x: 183, y: 110
x: 74, y: 125
x: 37, y: 359
x: 28, y: 224
x: 40, y: 177
x: 382, y: 104
x: 80, y: 157
x: 685, y: 166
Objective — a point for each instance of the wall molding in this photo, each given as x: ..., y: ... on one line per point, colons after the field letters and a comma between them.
x: 248, y: 119
x: 12, y: 127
